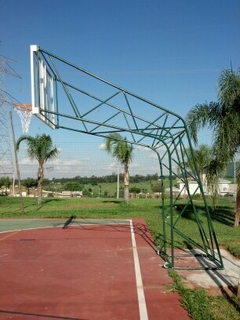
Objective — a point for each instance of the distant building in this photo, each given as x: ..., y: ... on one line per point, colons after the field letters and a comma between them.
x: 225, y: 187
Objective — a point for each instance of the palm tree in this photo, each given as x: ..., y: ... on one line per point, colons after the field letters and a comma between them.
x: 118, y: 147
x: 41, y: 149
x: 223, y: 118
x: 202, y: 157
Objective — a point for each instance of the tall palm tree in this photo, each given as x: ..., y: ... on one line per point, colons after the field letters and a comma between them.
x: 202, y: 157
x: 39, y: 148
x: 223, y: 118
x: 118, y: 147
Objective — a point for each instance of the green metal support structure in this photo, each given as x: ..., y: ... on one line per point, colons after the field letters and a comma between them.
x: 66, y: 96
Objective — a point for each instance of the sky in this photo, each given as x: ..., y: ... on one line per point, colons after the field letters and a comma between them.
x: 169, y: 52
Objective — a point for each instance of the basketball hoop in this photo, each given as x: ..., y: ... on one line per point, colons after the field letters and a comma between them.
x: 24, y: 110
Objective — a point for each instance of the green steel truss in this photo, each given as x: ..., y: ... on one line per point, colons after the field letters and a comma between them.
x: 86, y: 103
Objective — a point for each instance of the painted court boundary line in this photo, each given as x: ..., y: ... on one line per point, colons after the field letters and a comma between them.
x: 140, y: 292
x: 9, y: 235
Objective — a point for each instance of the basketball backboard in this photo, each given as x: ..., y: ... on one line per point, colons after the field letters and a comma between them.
x: 42, y: 88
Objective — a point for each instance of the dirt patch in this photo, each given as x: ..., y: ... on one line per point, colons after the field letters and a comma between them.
x: 215, y: 281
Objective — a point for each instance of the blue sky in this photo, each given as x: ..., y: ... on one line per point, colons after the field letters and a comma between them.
x: 170, y: 52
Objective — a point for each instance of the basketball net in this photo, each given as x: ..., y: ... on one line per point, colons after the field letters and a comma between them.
x: 24, y: 111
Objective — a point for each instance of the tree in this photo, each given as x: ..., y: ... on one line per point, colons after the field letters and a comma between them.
x: 157, y: 187
x: 40, y: 148
x: 5, y: 182
x: 72, y: 186
x: 223, y: 118
x: 202, y: 156
x: 118, y: 147
x: 29, y: 183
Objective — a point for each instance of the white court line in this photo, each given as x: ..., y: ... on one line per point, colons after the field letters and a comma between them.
x: 140, y: 292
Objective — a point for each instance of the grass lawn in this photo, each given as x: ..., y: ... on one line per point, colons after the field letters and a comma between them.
x: 198, y: 303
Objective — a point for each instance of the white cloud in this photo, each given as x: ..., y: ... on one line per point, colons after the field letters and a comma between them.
x: 102, y: 146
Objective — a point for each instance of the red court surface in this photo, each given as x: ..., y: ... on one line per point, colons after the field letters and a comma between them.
x: 85, y: 272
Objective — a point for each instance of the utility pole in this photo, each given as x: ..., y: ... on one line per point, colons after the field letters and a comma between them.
x: 118, y: 183
x: 17, y: 165
x: 6, y: 159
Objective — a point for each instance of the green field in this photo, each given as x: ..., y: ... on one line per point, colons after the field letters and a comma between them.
x: 149, y: 209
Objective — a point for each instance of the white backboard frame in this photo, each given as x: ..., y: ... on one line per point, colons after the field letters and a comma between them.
x: 42, y: 89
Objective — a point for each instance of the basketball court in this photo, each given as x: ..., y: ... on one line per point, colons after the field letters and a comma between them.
x: 83, y: 269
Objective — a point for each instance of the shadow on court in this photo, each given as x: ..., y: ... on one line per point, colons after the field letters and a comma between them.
x: 23, y: 315
x: 69, y: 221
